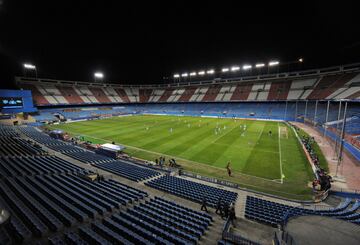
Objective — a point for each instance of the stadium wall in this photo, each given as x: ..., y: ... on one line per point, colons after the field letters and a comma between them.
x: 354, y: 151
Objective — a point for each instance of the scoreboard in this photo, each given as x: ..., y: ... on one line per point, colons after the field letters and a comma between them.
x: 16, y: 101
x: 11, y: 102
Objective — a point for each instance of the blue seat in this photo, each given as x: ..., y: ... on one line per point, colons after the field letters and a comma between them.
x: 92, y: 237
x: 192, y: 190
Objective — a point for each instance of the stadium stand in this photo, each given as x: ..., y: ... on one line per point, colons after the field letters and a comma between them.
x: 241, y: 92
x: 166, y: 95
x: 212, y: 93
x: 187, y: 94
x: 192, y: 190
x: 328, y: 85
x: 317, y: 85
x: 53, y: 198
x: 273, y: 213
x: 119, y: 167
x: 128, y: 171
x: 10, y: 146
x: 144, y: 95
x: 279, y: 91
x: 122, y: 95
x: 47, y: 195
x: 100, y: 95
x: 39, y: 99
x: 70, y: 95
x: 34, y: 165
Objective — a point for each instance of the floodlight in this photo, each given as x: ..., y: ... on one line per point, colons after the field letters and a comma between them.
x: 273, y: 63
x: 176, y: 75
x: 99, y: 75
x: 301, y: 60
x: 201, y: 73
x: 210, y: 71
x: 184, y: 75
x: 247, y: 67
x: 192, y: 74
x: 29, y: 66
x: 259, y: 65
x: 225, y: 69
x: 235, y: 68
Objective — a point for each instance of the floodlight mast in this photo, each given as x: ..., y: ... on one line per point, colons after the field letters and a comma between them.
x: 29, y: 67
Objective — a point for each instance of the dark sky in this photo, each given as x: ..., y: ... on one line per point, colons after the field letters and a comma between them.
x: 144, y: 42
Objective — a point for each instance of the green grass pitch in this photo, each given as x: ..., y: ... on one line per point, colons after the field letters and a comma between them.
x: 273, y: 163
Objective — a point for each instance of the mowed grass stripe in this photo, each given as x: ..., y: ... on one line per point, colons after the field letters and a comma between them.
x: 164, y: 137
x: 243, y: 142
x: 265, y: 165
x: 205, y: 149
x: 251, y: 154
x: 197, y: 140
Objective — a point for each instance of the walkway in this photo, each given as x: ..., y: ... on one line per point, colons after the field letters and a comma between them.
x: 349, y: 170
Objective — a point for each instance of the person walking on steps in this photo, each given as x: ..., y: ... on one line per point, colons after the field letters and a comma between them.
x: 203, y: 205
x: 219, y: 207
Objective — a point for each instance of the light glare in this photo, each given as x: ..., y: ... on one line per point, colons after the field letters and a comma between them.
x: 273, y: 63
x: 29, y: 66
x: 247, y: 67
x: 98, y: 75
x: 235, y: 68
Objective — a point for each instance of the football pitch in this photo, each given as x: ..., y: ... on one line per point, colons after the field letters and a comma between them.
x: 264, y: 155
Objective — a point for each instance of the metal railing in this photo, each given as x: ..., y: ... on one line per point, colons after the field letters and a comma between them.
x: 283, y: 237
x: 235, y: 238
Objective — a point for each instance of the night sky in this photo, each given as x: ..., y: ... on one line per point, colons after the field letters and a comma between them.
x: 145, y: 42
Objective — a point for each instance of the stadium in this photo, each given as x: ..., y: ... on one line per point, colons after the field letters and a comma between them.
x: 248, y: 153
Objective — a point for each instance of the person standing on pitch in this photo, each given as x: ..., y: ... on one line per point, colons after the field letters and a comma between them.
x: 228, y: 168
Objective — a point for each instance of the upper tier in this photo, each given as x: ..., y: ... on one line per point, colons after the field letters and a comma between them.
x: 318, y: 85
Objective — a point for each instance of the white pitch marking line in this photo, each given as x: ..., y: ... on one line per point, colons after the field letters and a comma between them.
x: 140, y: 149
x: 280, y: 161
x: 219, y: 137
